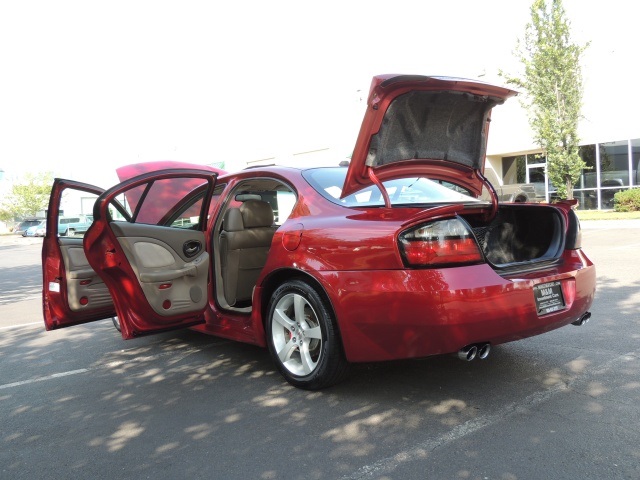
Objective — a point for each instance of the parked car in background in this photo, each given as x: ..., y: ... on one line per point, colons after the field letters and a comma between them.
x: 41, y: 229
x: 376, y: 261
x: 25, y: 224
x: 36, y: 230
x: 74, y: 226
x: 514, y: 192
x: 611, y: 182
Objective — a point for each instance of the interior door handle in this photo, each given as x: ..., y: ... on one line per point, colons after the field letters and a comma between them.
x: 191, y: 248
x: 189, y: 270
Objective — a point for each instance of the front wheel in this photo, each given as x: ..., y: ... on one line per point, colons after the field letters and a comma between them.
x: 303, y: 337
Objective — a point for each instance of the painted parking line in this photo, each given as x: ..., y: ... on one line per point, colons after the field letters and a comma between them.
x: 421, y: 450
x: 176, y: 354
x: 11, y: 327
x: 43, y: 379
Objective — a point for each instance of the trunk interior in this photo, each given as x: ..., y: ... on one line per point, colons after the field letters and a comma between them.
x: 520, y: 236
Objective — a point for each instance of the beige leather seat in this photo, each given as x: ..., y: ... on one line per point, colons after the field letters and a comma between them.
x: 244, y: 245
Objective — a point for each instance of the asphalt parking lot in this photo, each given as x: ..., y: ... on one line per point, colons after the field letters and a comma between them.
x: 82, y: 403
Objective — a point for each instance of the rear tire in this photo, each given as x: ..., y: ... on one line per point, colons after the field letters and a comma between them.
x: 303, y: 337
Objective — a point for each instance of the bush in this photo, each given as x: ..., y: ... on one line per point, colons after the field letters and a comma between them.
x: 627, y: 200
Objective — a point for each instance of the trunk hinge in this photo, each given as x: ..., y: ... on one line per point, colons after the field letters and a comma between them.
x: 378, y: 183
x: 567, y: 204
x: 490, y: 215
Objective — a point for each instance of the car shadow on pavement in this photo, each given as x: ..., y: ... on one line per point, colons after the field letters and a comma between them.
x: 156, y: 404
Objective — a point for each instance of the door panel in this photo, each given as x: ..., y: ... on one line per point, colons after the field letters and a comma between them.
x: 72, y: 292
x: 171, y: 282
x: 85, y: 289
x: 155, y: 263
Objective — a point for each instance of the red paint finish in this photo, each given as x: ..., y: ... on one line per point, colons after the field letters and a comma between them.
x: 387, y: 304
x: 387, y: 315
x: 384, y: 309
x: 383, y: 91
x: 55, y: 303
x: 105, y: 255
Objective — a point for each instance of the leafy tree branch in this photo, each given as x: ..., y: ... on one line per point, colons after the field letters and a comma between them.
x: 28, y: 197
x: 552, y: 82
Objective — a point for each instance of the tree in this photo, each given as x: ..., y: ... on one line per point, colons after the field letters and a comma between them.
x: 29, y: 197
x: 5, y: 215
x: 552, y: 81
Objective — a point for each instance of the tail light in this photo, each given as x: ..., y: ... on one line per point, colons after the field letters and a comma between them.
x: 574, y: 234
x: 443, y: 242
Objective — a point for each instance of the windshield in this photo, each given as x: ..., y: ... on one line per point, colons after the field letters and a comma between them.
x: 414, y: 191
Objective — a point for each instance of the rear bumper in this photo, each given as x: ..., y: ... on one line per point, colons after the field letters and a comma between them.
x: 395, y: 314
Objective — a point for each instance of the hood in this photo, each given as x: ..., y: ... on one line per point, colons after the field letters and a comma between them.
x: 414, y: 125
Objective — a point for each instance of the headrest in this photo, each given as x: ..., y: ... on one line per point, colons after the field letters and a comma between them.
x: 256, y: 213
x: 233, y: 220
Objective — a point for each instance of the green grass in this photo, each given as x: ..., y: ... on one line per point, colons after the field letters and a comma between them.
x: 606, y: 215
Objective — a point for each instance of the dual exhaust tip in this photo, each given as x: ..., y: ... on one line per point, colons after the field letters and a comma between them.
x: 582, y: 320
x: 471, y: 352
x: 482, y: 350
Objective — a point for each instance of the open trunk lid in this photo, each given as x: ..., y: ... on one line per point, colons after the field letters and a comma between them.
x: 424, y: 126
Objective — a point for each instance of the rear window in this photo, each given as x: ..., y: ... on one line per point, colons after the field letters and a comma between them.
x: 26, y: 224
x: 414, y: 191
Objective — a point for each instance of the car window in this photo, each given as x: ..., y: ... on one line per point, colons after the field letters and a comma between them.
x: 188, y: 216
x: 280, y: 196
x: 404, y: 191
x: 26, y: 224
x: 154, y: 203
x: 285, y: 202
x: 77, y: 206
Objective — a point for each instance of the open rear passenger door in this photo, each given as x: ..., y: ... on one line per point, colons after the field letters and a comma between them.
x: 72, y: 292
x: 152, y: 255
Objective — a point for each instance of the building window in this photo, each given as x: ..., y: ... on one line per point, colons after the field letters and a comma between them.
x: 514, y: 169
x: 536, y: 158
x: 584, y: 190
x: 614, y: 170
x: 588, y: 176
x: 635, y: 162
x: 609, y: 168
x: 614, y: 163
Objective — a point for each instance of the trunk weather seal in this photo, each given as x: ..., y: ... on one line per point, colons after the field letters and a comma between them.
x: 525, y: 267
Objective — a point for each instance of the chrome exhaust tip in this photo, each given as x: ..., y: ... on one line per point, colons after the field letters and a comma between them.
x: 484, y: 350
x: 468, y: 353
x: 582, y: 320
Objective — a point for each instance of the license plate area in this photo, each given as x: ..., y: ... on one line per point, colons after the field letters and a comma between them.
x: 549, y: 298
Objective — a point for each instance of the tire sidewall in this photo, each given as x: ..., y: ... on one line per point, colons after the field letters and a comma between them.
x: 315, y: 379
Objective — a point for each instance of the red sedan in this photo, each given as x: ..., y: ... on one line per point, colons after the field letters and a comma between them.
x: 393, y: 256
